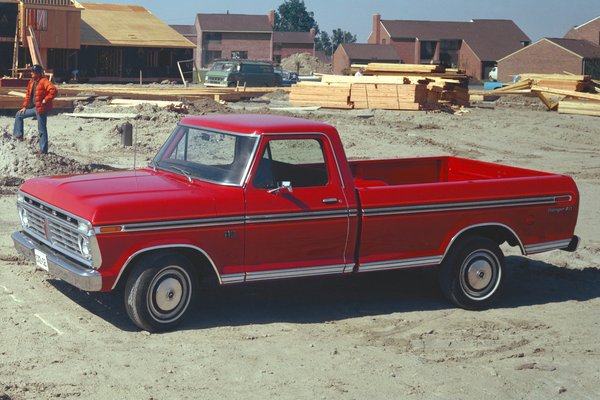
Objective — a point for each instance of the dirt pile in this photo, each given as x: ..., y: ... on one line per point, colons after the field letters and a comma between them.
x: 305, y: 64
x: 19, y: 161
x: 204, y: 106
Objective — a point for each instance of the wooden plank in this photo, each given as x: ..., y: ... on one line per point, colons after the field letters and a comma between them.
x: 579, y: 107
x: 569, y: 93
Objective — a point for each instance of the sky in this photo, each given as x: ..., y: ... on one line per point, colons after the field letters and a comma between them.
x: 537, y: 18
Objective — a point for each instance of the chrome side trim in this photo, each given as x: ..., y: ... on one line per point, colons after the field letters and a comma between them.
x: 547, y: 246
x: 488, y: 225
x: 399, y: 264
x: 467, y: 205
x: 294, y: 273
x: 170, y: 246
x: 228, y: 279
x: 59, y: 266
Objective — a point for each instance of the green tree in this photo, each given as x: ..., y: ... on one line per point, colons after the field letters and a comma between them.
x: 292, y: 16
x: 323, y: 42
x: 339, y: 36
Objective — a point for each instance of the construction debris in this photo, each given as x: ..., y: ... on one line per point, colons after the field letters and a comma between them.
x: 386, y: 86
x: 556, y: 91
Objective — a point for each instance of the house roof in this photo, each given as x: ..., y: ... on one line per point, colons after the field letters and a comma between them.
x: 360, y: 51
x: 482, y: 35
x: 234, y: 23
x: 579, y: 47
x: 129, y: 26
x: 582, y: 48
x: 186, y: 30
x: 293, y: 37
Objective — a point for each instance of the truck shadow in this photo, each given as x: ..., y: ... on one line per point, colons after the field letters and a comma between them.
x: 323, y: 299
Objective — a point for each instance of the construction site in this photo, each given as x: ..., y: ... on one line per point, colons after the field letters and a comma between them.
x: 389, y: 335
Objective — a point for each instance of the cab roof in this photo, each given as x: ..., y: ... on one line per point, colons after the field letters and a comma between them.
x: 257, y: 124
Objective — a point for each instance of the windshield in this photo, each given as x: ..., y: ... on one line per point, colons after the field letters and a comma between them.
x: 206, y: 155
x: 222, y: 67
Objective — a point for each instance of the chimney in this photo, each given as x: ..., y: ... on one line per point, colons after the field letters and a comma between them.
x: 377, y: 28
x: 313, y: 32
x: 271, y: 16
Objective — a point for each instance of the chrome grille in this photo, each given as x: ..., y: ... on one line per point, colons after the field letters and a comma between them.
x: 54, y: 228
x: 63, y: 237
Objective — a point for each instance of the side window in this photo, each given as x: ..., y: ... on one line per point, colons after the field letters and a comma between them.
x: 299, y: 161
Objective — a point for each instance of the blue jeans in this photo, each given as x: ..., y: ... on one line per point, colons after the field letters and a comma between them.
x: 42, y: 129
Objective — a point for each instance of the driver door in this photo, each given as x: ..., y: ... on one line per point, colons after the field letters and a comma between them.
x: 297, y: 220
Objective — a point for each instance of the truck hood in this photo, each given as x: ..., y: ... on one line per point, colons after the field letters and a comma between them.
x: 125, y: 196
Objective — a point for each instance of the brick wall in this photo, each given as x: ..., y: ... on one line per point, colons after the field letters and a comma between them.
x: 340, y: 61
x: 589, y: 31
x: 469, y: 62
x: 257, y: 45
x: 542, y: 57
x: 286, y: 51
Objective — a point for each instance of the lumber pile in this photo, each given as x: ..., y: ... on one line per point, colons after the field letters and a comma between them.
x: 564, y: 93
x: 386, y: 86
x: 579, y: 107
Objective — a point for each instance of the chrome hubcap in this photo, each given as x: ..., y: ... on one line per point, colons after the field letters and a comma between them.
x: 479, y: 274
x: 168, y: 294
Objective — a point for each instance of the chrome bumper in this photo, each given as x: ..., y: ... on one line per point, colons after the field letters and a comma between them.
x: 574, y: 244
x: 59, y: 266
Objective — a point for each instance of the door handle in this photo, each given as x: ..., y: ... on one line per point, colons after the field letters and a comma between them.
x: 330, y: 200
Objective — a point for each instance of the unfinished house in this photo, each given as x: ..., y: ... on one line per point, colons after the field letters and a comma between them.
x: 357, y: 53
x: 126, y: 43
x: 229, y: 36
x: 473, y: 46
x: 8, y: 30
x: 286, y: 44
x: 55, y: 26
x: 552, y: 56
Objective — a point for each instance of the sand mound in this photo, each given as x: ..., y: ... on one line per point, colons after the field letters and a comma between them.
x: 305, y: 64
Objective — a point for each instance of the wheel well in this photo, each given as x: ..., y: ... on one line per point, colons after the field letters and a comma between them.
x: 496, y: 232
x: 206, y: 272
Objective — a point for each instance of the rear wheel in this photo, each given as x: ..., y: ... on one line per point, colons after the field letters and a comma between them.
x: 160, y: 290
x: 472, y: 273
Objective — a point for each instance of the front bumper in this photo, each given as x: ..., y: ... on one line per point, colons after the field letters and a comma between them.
x: 59, y: 266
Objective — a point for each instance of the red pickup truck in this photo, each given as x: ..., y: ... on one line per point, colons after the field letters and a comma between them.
x: 247, y: 198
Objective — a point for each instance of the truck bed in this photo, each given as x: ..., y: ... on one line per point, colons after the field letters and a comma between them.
x: 411, y: 171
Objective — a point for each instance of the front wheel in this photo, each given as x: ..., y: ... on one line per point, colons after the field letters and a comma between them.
x: 472, y: 273
x: 160, y: 290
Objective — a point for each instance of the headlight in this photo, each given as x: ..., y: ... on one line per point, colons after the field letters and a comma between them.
x: 84, y: 247
x: 85, y: 228
x: 24, y: 216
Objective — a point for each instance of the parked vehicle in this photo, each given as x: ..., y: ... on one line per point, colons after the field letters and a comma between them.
x: 288, y: 78
x: 245, y: 198
x: 242, y: 73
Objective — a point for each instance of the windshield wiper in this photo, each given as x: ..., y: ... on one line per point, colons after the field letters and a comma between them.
x: 184, y: 172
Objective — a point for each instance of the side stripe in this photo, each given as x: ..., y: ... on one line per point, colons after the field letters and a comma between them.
x: 468, y: 205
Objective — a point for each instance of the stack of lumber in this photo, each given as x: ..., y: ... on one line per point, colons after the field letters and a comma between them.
x: 12, y: 99
x: 386, y: 86
x: 575, y: 83
x: 389, y: 96
x: 580, y: 107
x: 321, y: 95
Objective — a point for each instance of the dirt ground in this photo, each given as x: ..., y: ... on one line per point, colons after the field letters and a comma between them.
x: 378, y: 336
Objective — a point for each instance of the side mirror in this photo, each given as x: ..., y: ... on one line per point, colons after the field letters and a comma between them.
x: 283, y: 186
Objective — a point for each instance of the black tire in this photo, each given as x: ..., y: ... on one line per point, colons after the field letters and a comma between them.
x: 160, y: 290
x: 472, y: 273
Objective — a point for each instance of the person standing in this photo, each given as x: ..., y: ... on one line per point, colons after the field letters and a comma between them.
x: 38, y: 102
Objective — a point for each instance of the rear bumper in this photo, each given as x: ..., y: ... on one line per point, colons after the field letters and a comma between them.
x: 59, y: 266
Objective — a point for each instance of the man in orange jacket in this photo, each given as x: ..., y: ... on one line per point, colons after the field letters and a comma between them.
x: 40, y: 93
